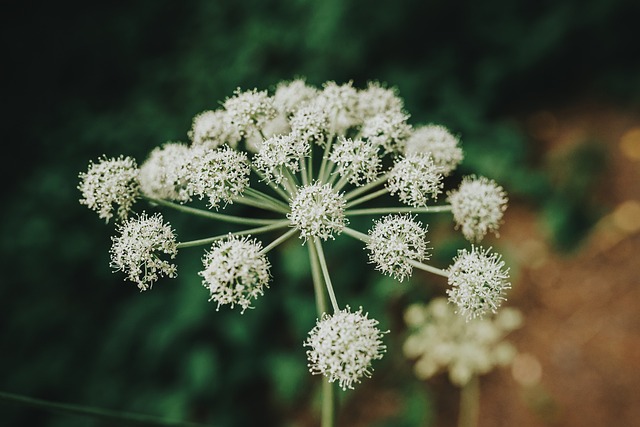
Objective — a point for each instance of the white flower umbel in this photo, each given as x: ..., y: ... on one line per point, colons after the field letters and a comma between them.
x: 311, y: 124
x: 477, y: 206
x: 138, y: 248
x: 279, y: 154
x: 377, y: 98
x: 340, y: 103
x: 235, y: 271
x: 441, y: 340
x: 416, y: 179
x: 109, y: 182
x: 478, y: 282
x: 214, y: 128
x: 394, y: 241
x: 343, y: 346
x: 388, y: 130
x: 318, y: 211
x: 357, y: 159
x: 163, y: 175
x: 250, y: 110
x: 220, y: 174
x: 439, y: 143
x: 289, y: 96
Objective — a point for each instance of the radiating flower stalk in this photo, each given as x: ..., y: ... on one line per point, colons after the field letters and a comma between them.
x: 309, y: 159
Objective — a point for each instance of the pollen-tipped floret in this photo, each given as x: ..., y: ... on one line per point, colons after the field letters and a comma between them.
x: 278, y: 153
x: 110, y: 182
x: 394, y: 242
x: 250, y: 110
x: 416, y: 179
x: 441, y: 340
x: 340, y: 102
x: 220, y: 175
x: 235, y: 271
x: 477, y: 206
x: 356, y: 158
x: 163, y: 175
x: 289, y: 96
x: 213, y: 129
x: 138, y: 248
x: 311, y: 124
x: 388, y: 130
x: 478, y: 282
x: 439, y: 143
x: 343, y: 346
x: 318, y: 211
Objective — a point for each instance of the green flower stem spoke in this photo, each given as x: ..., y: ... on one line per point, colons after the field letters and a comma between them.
x: 329, y: 171
x: 392, y: 210
x: 328, y: 392
x: 310, y: 166
x: 333, y: 178
x: 258, y: 230
x: 279, y: 240
x: 210, y: 214
x: 369, y: 196
x: 115, y: 417
x: 256, y: 203
x: 271, y: 185
x: 360, y: 190
x: 356, y: 234
x: 259, y: 195
x: 344, y: 180
x: 291, y: 179
x: 428, y: 268
x: 325, y: 158
x: 303, y: 171
x: 469, y: 403
x: 325, y: 273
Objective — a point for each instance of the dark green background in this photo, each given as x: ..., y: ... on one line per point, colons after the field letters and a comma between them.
x: 83, y: 79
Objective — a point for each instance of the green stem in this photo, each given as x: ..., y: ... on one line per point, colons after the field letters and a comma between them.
x: 257, y: 194
x: 256, y: 203
x: 360, y: 190
x: 322, y: 175
x: 303, y: 171
x: 281, y: 224
x: 429, y: 268
x: 210, y: 214
x: 325, y: 273
x: 289, y: 181
x: 369, y: 196
x: 328, y: 408
x: 118, y: 418
x: 271, y: 185
x: 356, y: 234
x: 344, y: 180
x: 279, y: 240
x: 469, y: 403
x: 392, y: 210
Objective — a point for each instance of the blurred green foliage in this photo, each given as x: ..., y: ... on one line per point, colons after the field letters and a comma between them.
x: 84, y: 79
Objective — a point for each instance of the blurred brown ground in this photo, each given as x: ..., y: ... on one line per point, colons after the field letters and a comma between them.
x: 579, y: 362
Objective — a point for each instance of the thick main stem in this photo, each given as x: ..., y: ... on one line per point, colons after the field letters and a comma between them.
x: 469, y: 403
x: 327, y: 412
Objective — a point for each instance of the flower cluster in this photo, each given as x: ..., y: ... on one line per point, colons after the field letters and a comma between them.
x: 311, y: 158
x: 440, y: 340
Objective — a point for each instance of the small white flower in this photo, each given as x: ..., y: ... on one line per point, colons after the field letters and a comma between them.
x: 318, y: 211
x: 439, y: 143
x: 356, y: 158
x: 389, y: 130
x: 310, y: 124
x: 136, y: 251
x: 220, y: 174
x: 289, y: 96
x: 279, y: 152
x: 340, y: 103
x: 213, y: 129
x: 394, y: 241
x: 377, y: 98
x: 477, y: 206
x: 440, y: 339
x: 235, y: 271
x: 343, y: 346
x: 110, y: 182
x: 250, y: 110
x: 478, y: 282
x: 416, y: 179
x: 163, y: 174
